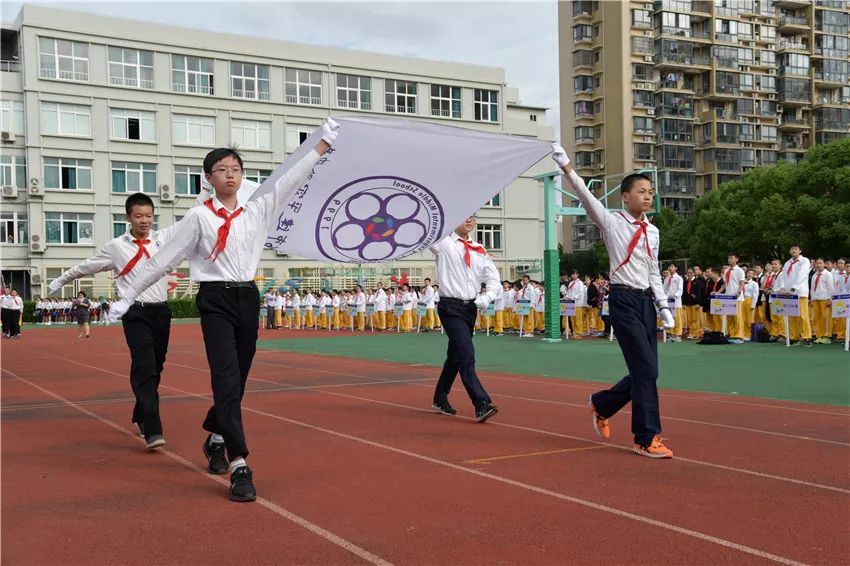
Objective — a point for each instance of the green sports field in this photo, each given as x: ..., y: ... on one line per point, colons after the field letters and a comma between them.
x: 820, y: 374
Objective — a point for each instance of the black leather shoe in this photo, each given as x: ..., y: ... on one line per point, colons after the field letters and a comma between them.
x: 216, y: 460
x: 485, y: 411
x: 242, y: 485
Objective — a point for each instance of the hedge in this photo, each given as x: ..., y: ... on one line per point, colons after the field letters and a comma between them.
x: 180, y: 308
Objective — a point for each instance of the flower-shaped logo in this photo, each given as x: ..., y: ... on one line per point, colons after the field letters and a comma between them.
x: 378, y: 218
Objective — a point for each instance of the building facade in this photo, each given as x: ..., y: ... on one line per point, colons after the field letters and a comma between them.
x: 698, y: 91
x: 96, y: 108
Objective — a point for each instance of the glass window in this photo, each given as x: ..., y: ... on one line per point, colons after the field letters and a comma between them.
x: 133, y: 177
x: 486, y: 105
x: 489, y: 236
x: 65, y: 119
x: 400, y: 96
x: 249, y: 80
x: 70, y: 174
x: 14, y: 227
x: 62, y: 59
x: 12, y: 116
x: 133, y: 125
x: 13, y: 171
x: 193, y: 130
x: 445, y: 101
x: 192, y: 74
x: 353, y: 91
x: 303, y: 86
x: 251, y: 134
x: 130, y: 67
x: 187, y: 179
x: 69, y: 228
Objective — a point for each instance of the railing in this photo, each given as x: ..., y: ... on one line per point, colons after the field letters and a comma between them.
x: 445, y: 113
x: 792, y: 21
x: 193, y: 89
x: 580, y: 115
x: 831, y: 77
x: 677, y: 137
x: 10, y: 66
x: 583, y: 140
x: 728, y: 165
x: 727, y: 37
x: 832, y: 125
x: 700, y: 34
x: 681, y: 32
x: 400, y: 109
x: 728, y: 139
x: 725, y: 63
x: 840, y: 4
x: 126, y: 81
x: 677, y: 58
x: 798, y: 45
x: 798, y: 96
x: 355, y: 105
x: 833, y: 100
x: 47, y: 73
x: 250, y: 94
x: 677, y: 163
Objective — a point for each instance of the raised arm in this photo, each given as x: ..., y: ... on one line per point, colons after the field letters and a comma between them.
x: 595, y: 210
x: 101, y: 261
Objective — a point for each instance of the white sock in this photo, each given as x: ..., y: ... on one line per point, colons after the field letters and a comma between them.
x: 237, y: 463
x: 216, y: 439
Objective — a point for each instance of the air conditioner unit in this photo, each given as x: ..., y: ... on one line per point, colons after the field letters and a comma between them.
x: 37, y: 245
x: 35, y: 278
x: 35, y: 187
x: 10, y: 191
x: 7, y: 137
x: 647, y: 165
x: 166, y: 194
x: 650, y: 111
x: 647, y: 58
x: 779, y: 108
x: 648, y: 139
x: 771, y: 97
x: 648, y: 32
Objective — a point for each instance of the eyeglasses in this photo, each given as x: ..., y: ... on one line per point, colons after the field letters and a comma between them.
x: 224, y: 170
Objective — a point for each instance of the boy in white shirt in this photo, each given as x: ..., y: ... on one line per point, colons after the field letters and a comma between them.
x: 734, y: 279
x: 751, y: 297
x: 528, y: 293
x: 823, y: 287
x: 794, y: 279
x: 310, y: 302
x: 407, y: 299
x: 674, y: 287
x: 499, y: 324
x: 540, y: 308
x: 380, y: 299
x: 575, y: 290
x: 841, y: 281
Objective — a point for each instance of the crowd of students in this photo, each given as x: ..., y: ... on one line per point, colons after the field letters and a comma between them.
x: 65, y: 310
x: 690, y: 299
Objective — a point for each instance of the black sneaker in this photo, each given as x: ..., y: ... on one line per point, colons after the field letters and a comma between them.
x: 242, y: 485
x: 443, y: 408
x: 485, y: 411
x: 216, y: 460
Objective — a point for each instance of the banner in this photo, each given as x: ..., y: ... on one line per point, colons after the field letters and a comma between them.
x: 840, y: 306
x: 671, y: 304
x: 421, y: 309
x: 290, y: 311
x: 491, y: 310
x: 390, y: 188
x: 352, y: 310
x: 784, y: 305
x: 568, y: 307
x: 398, y: 309
x: 605, y: 308
x: 523, y: 307
x: 724, y: 305
x: 370, y: 310
x: 329, y: 311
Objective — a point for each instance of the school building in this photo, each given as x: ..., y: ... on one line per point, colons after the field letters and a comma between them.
x: 94, y: 108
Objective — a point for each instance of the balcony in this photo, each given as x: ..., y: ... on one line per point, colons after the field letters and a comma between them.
x: 677, y: 164
x: 729, y: 166
x: 826, y: 100
x: 790, y: 23
x: 795, y: 97
x: 10, y: 66
x: 834, y: 125
x: 794, y: 124
x: 792, y: 4
x: 583, y: 115
x: 836, y: 79
x: 789, y: 45
x: 839, y: 4
x: 700, y: 34
x: 791, y: 157
x: 668, y: 59
x: 678, y: 32
x: 724, y: 63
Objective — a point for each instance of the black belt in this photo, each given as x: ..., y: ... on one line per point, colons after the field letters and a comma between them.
x: 621, y: 287
x: 457, y: 301
x: 146, y: 304
x: 228, y: 284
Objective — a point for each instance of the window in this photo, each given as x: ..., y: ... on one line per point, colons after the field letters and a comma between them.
x: 65, y: 119
x: 445, y: 101
x: 643, y: 125
x: 676, y: 156
x: 643, y: 151
x: 584, y: 58
x: 12, y: 116
x: 486, y: 105
x: 353, y: 91
x: 728, y: 133
x: 836, y: 23
x: 794, y: 64
x: 296, y: 135
x: 584, y: 134
x: 61, y: 59
x: 676, y: 24
x: 746, y: 82
x: 400, y: 96
x: 130, y: 67
x: 582, y: 33
x: 642, y: 98
x: 583, y: 84
x: 120, y: 226
x: 14, y: 228
x: 13, y: 171
x: 494, y: 202
x: 70, y: 174
x: 133, y: 177
x: 583, y: 109
x: 641, y: 72
x: 69, y: 228
x: 191, y: 74
x: 133, y: 125
x: 748, y: 132
x: 250, y: 134
x: 256, y: 175
x: 303, y: 86
x: 489, y: 236
x: 532, y: 117
x: 768, y: 133
x: 193, y: 130
x: 248, y: 80
x: 640, y: 19
x: 187, y: 180
x: 642, y: 45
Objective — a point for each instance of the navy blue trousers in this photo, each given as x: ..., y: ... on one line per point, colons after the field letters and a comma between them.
x: 458, y: 321
x: 633, y: 317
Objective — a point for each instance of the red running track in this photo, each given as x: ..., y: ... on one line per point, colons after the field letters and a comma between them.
x: 351, y: 467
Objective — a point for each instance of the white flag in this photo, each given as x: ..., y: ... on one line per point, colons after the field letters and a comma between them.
x: 390, y: 188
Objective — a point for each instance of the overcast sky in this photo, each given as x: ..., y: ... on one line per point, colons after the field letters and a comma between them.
x: 520, y: 37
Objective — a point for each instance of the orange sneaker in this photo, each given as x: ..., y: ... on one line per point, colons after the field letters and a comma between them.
x: 654, y: 450
x: 600, y: 425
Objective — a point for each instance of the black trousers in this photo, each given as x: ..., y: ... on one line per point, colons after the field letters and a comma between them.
x: 147, y: 330
x: 229, y: 323
x: 633, y: 317
x: 458, y: 321
x: 11, y: 322
x: 270, y: 317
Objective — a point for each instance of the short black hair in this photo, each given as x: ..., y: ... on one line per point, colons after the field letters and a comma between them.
x: 630, y: 180
x: 427, y: 279
x: 795, y: 245
x: 733, y: 254
x: 217, y: 155
x: 137, y: 199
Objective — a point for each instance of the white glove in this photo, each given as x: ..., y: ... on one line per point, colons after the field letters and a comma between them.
x: 53, y: 288
x: 118, y: 309
x: 330, y: 130
x: 560, y: 156
x: 667, y: 319
x: 482, y: 302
